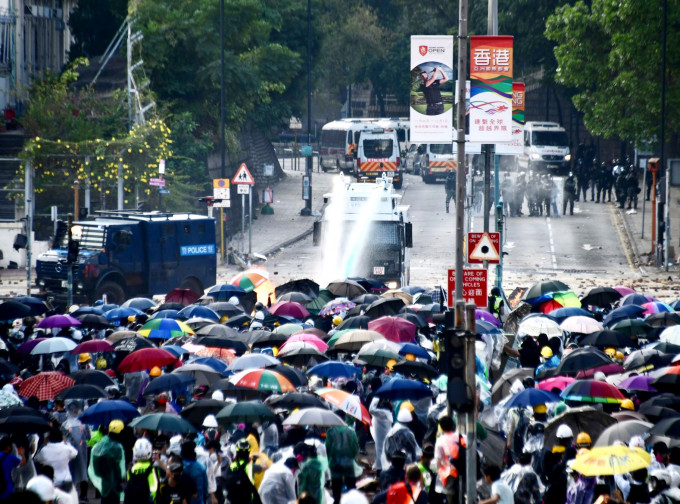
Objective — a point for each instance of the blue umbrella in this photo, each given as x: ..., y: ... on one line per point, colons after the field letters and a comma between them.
x: 418, y: 351
x: 635, y: 299
x: 122, y: 313
x: 572, y: 311
x: 222, y: 292
x: 531, y: 397
x: 412, y: 289
x: 622, y: 313
x: 176, y: 350
x: 199, y: 311
x: 36, y: 305
x: 169, y: 382
x: 216, y: 364
x: 334, y: 369
x: 403, y: 388
x: 484, y: 327
x: 84, y: 310
x: 141, y: 303
x: 171, y: 314
x: 104, y: 411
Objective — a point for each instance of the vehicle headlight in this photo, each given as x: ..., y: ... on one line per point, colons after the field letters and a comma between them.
x: 41, y: 282
x: 392, y: 285
x: 80, y: 286
x: 535, y: 156
x: 567, y: 157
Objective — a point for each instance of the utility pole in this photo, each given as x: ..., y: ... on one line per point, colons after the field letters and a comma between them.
x: 307, y: 210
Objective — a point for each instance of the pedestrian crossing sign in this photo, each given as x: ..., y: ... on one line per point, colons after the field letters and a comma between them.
x: 483, y: 247
x: 243, y: 176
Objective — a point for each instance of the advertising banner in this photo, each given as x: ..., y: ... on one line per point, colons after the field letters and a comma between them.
x: 432, y: 89
x: 516, y: 145
x: 490, y: 89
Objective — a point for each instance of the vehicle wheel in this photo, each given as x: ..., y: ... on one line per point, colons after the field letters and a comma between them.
x: 115, y: 293
x: 397, y: 185
x: 426, y: 179
x: 192, y: 284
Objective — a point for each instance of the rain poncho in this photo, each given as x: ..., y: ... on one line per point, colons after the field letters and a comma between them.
x: 400, y: 437
x: 381, y: 423
x: 278, y: 485
x: 311, y: 478
x: 342, y: 447
x: 552, y: 362
x: 107, y: 467
x: 77, y: 434
x: 9, y: 397
x: 524, y: 483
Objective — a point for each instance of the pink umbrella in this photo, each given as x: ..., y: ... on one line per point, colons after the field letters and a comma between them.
x: 289, y: 308
x: 394, y: 328
x: 559, y: 382
x: 623, y: 290
x: 487, y: 317
x: 312, y: 339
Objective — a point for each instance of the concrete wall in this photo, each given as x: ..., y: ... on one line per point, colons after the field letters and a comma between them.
x: 8, y: 230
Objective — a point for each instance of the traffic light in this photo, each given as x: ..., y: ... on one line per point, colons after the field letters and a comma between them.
x: 73, y: 249
x: 460, y: 394
x: 209, y: 200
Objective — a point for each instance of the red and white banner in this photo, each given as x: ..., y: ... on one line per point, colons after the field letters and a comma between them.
x: 474, y: 286
x: 432, y: 89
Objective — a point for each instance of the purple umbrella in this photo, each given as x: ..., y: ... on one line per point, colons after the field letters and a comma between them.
x: 58, y: 321
x: 25, y: 348
x: 638, y: 382
x: 487, y: 317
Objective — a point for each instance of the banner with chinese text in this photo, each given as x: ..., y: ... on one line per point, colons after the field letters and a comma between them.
x: 516, y: 145
x: 432, y: 89
x: 491, y: 89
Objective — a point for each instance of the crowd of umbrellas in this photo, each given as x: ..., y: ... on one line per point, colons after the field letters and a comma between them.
x: 266, y: 359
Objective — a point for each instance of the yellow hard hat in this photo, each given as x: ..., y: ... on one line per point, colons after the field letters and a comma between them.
x: 116, y: 426
x: 409, y: 357
x: 101, y: 363
x: 540, y: 409
x: 131, y: 318
x: 546, y: 352
x: 610, y: 351
x: 583, y: 438
x: 83, y: 357
x: 155, y: 371
x: 627, y: 404
x: 337, y: 320
x: 408, y: 405
x: 619, y: 355
x: 390, y: 363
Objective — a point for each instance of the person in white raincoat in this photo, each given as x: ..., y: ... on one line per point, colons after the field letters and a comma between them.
x: 381, y: 418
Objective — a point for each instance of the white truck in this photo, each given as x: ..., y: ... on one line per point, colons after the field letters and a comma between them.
x: 365, y: 232
x: 546, y: 148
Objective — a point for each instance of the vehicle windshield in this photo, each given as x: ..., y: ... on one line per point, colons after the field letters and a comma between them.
x: 441, y: 148
x: 91, y: 237
x: 550, y: 138
x: 332, y: 138
x: 378, y: 148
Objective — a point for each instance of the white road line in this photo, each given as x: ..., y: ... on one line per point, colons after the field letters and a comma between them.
x: 553, y: 258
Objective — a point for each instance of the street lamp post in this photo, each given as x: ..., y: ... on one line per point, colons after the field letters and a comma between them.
x: 307, y: 210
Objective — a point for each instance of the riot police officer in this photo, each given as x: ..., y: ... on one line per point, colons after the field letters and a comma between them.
x: 569, y: 194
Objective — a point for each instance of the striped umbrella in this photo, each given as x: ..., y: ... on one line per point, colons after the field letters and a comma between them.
x: 656, y: 307
x: 262, y: 379
x: 349, y: 403
x: 255, y: 279
x: 593, y: 391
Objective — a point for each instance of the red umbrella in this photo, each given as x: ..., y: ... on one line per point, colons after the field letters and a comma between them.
x: 45, y: 385
x: 289, y: 308
x: 146, y: 358
x: 394, y: 328
x: 93, y: 346
x: 549, y: 306
x: 183, y: 296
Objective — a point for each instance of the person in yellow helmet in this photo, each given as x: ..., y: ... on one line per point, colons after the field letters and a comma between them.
x: 548, y: 360
x: 155, y: 372
x: 337, y: 320
x: 627, y: 404
x: 583, y: 440
x: 610, y: 351
x: 84, y: 361
x: 107, y: 465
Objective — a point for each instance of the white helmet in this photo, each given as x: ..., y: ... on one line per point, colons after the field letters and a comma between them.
x: 42, y: 486
x: 142, y: 449
x: 218, y: 395
x: 636, y: 442
x: 564, y: 432
x: 599, y: 375
x: 210, y: 422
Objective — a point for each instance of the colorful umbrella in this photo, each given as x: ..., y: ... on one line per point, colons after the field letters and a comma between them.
x: 349, y: 403
x: 394, y: 329
x: 290, y: 309
x: 656, y: 307
x: 334, y: 369
x: 336, y: 306
x: 623, y: 290
x: 592, y: 391
x: 165, y: 329
x: 262, y: 379
x: 609, y: 460
x: 556, y: 382
x: 531, y: 397
x: 145, y: 359
x: 165, y: 422
x: 185, y: 297
x: 257, y: 280
x: 58, y: 321
x: 314, y: 416
x: 53, y: 345
x: 45, y: 385
x: 581, y: 325
x: 311, y: 339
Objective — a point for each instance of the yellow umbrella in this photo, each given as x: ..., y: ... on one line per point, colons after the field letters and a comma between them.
x: 608, y: 460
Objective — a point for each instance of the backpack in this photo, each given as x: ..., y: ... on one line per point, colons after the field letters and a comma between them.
x: 137, y: 490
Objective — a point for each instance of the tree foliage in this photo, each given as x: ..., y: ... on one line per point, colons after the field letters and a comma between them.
x: 610, y: 52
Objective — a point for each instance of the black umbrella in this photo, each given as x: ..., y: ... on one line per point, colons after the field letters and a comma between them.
x: 133, y: 343
x: 370, y: 284
x: 169, y: 306
x: 296, y: 377
x: 23, y: 420
x: 262, y: 339
x: 219, y: 331
x: 668, y: 399
x: 583, y: 419
x: 600, y: 296
x: 356, y: 322
x: 663, y: 319
x: 622, y: 431
x: 220, y: 342
x: 607, y: 338
x: 383, y: 307
x: 366, y: 299
x: 501, y: 388
x: 580, y: 359
x: 222, y: 308
x: 82, y: 391
x: 668, y: 382
x: 667, y: 427
x: 93, y: 321
x: 540, y: 288
x: 92, y: 377
x: 621, y: 313
x: 656, y: 413
x: 36, y: 305
x: 666, y: 347
x: 416, y: 369
x: 168, y: 382
x: 239, y: 321
x: 10, y: 310
x: 647, y: 358
x: 297, y: 297
x: 293, y: 400
x: 303, y: 285
x: 414, y: 318
x: 345, y: 288
x: 196, y: 412
x: 247, y: 411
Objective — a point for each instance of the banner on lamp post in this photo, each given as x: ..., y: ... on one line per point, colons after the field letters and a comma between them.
x: 432, y: 89
x: 491, y: 89
x: 516, y: 145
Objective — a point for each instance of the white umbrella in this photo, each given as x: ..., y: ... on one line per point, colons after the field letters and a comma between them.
x: 314, y: 416
x: 53, y: 345
x: 253, y: 361
x: 671, y: 335
x: 581, y: 324
x: 534, y: 326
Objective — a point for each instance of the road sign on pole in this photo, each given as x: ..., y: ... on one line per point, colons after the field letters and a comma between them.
x: 243, y: 176
x: 483, y: 247
x: 221, y: 193
x: 474, y: 286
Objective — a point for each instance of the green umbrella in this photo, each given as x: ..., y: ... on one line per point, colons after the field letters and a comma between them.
x: 314, y: 307
x: 632, y: 327
x: 246, y: 411
x: 163, y: 422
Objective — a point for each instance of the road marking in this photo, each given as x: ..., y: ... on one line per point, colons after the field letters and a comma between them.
x: 553, y: 258
x: 588, y: 247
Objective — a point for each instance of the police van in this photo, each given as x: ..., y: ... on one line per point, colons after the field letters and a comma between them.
x: 546, y: 148
x: 378, y: 156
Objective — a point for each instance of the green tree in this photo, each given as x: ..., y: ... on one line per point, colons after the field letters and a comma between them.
x: 610, y: 52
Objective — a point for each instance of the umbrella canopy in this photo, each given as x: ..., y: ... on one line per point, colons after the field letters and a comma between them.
x: 647, y: 358
x: 168, y: 382
x: 224, y: 309
x: 290, y: 309
x: 10, y: 310
x: 263, y: 338
x: 23, y: 420
x: 36, y: 305
x: 345, y: 288
x: 296, y: 377
x: 621, y: 313
x: 104, y: 411
x: 582, y: 419
x: 556, y: 382
x: 622, y: 431
x: 314, y: 416
x: 593, y: 391
x: 403, y: 388
x: 379, y: 353
x: 609, y: 460
x: 169, y: 314
x: 145, y: 359
x: 316, y: 304
x: 366, y: 299
x: 533, y: 326
x: 351, y: 341
x: 502, y: 386
x: 635, y: 298
x: 394, y: 329
x: 195, y: 412
x: 58, y: 321
x: 384, y: 307
x: 93, y: 346
x: 141, y: 303
x: 334, y: 369
x: 245, y: 411
x: 184, y: 297
x: 252, y: 361
x: 580, y: 359
x: 487, y: 317
x: 664, y: 346
x: 223, y: 292
x: 92, y: 377
x: 199, y: 311
x: 310, y: 339
x: 220, y: 342
x: 262, y: 379
x: 399, y: 294
x: 298, y: 297
x: 415, y: 350
x: 638, y: 382
x: 337, y: 306
x: 600, y: 296
x: 540, y: 288
x: 82, y: 392
x: 132, y: 343
x: 288, y: 329
x: 304, y: 285
x: 668, y: 381
x: 671, y: 335
x: 93, y: 321
x: 607, y: 338
x: 656, y: 307
x: 165, y: 329
x: 219, y: 330
x: 26, y: 347
x: 415, y: 369
x: 300, y: 353
x: 45, y: 385
x: 344, y: 401
x: 216, y: 364
x: 163, y: 422
x: 202, y: 373
x: 256, y: 280
x: 663, y: 319
x: 669, y: 427
x: 53, y: 345
x: 581, y: 325
x: 561, y: 314
x: 632, y: 327
x: 294, y: 400
x: 531, y: 397
x: 122, y: 312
